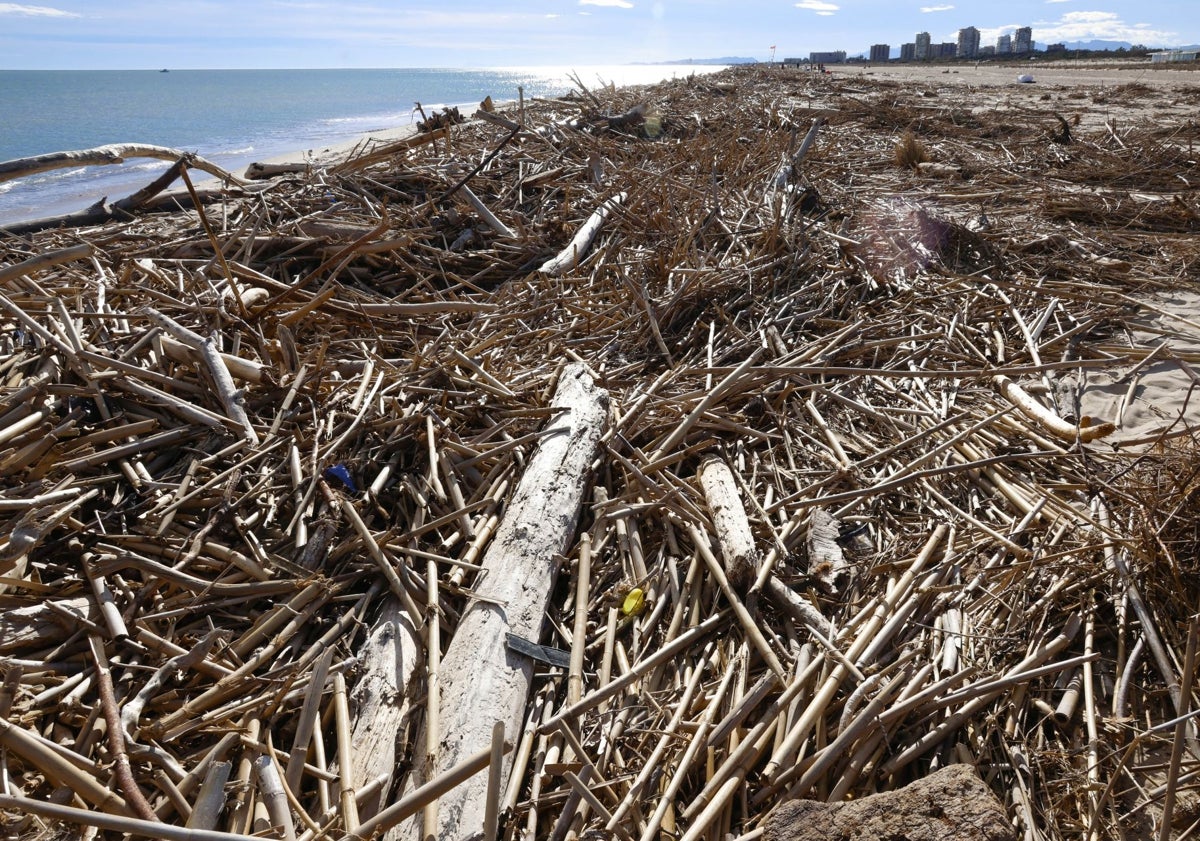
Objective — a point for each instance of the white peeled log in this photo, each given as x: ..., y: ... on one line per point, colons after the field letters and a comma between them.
x: 736, y: 541
x: 577, y: 248
x: 390, y: 660
x: 790, y: 602
x: 483, y: 680
x: 1047, y: 419
x: 113, y: 153
x: 231, y: 398
x: 242, y: 369
x: 486, y: 214
x: 741, y: 556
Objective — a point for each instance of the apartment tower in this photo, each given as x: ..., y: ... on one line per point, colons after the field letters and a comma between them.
x: 968, y: 42
x: 922, y: 50
x: 1023, y: 40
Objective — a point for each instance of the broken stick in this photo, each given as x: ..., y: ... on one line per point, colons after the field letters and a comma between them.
x: 570, y: 256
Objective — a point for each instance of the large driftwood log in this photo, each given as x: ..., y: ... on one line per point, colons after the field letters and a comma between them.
x: 951, y: 804
x: 258, y: 170
x: 391, y: 658
x: 47, y: 622
x: 113, y: 153
x: 144, y: 200
x: 483, y: 679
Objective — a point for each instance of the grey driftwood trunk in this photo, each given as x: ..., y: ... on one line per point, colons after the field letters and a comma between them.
x: 483, y: 680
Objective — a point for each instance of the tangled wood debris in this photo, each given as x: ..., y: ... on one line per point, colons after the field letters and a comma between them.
x: 296, y: 546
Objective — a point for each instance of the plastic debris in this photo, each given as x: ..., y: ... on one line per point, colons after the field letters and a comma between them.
x: 342, y: 474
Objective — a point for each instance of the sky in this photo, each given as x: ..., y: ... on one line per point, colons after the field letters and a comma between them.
x: 135, y: 34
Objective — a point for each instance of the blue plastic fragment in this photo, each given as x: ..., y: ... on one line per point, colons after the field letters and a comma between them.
x: 342, y: 474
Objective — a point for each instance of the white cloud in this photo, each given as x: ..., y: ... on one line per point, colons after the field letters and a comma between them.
x: 35, y: 11
x: 1088, y: 26
x: 1101, y: 26
x: 928, y: 9
x: 1088, y: 17
x: 819, y: 6
x: 620, y: 4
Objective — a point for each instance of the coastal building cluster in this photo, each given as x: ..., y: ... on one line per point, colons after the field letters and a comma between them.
x: 968, y: 45
x: 922, y: 48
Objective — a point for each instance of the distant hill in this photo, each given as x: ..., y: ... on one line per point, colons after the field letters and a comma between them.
x: 1111, y: 46
x: 1097, y: 45
x: 729, y: 59
x: 1093, y: 45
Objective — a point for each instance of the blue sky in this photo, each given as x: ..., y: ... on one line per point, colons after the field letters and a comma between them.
x: 479, y: 33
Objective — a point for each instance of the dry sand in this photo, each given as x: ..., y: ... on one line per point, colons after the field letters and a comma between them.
x: 1058, y: 74
x: 1156, y: 395
x: 1159, y: 394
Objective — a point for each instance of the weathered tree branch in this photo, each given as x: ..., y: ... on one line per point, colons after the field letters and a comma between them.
x: 113, y: 153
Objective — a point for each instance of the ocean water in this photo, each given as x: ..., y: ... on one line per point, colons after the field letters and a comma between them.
x: 235, y: 117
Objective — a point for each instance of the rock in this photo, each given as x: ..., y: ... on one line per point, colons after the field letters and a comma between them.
x: 952, y: 804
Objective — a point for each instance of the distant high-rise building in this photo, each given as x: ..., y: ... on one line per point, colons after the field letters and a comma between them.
x: 968, y: 42
x: 881, y: 52
x: 922, y: 46
x: 946, y: 49
x: 1022, y: 41
x: 908, y: 52
x: 836, y: 57
x: 987, y: 51
x: 1004, y: 45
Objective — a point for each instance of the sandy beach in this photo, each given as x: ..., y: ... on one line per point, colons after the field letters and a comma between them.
x: 1158, y: 393
x: 683, y: 460
x: 1058, y: 73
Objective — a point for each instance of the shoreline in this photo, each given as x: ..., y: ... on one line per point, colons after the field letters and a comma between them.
x: 65, y: 191
x: 982, y: 75
x: 119, y: 187
x: 330, y: 155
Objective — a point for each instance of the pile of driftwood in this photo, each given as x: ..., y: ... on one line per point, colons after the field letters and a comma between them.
x: 619, y: 465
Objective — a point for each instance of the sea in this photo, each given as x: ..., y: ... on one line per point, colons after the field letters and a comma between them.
x: 236, y: 117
